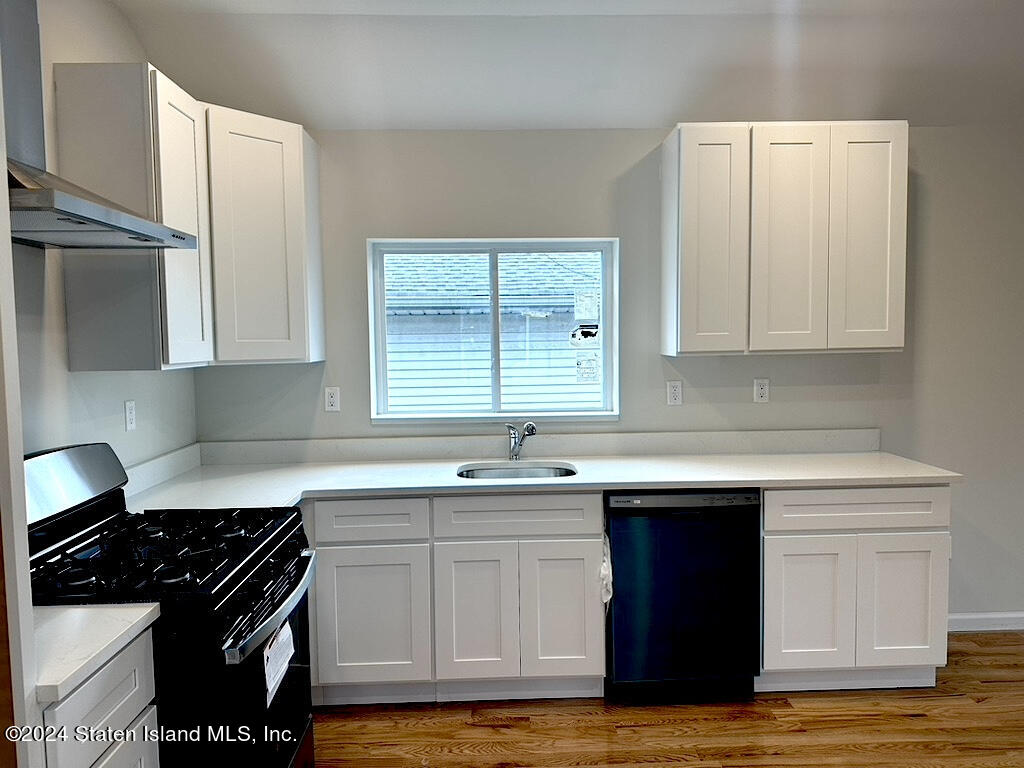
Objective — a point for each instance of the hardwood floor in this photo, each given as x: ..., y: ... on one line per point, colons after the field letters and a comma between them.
x: 973, y: 718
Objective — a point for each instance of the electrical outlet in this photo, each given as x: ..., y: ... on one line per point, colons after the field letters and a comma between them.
x: 674, y: 392
x: 762, y: 394
x: 129, y: 416
x: 332, y: 398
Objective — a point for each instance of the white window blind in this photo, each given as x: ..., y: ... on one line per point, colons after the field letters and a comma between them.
x: 480, y: 328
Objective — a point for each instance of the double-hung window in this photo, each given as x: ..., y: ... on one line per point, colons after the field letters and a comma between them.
x: 485, y: 328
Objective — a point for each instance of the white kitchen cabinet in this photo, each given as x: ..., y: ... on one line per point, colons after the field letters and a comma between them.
x: 810, y: 602
x: 525, y: 514
x: 373, y: 613
x: 476, y: 603
x: 789, y: 234
x: 816, y: 262
x: 867, y: 251
x: 815, y: 509
x: 117, y: 696
x: 902, y: 598
x: 561, y: 616
x: 265, y: 208
x: 705, y: 238
x: 856, y: 600
x: 163, y: 313
x: 136, y: 751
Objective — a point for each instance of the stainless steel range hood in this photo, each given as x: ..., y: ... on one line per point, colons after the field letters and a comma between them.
x: 47, y: 210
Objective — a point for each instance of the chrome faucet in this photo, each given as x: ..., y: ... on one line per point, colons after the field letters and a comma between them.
x: 517, y: 438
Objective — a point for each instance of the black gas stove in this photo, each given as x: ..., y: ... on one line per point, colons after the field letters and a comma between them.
x: 227, y: 580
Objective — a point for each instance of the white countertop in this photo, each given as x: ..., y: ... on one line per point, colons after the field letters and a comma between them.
x: 73, y: 641
x: 262, y: 485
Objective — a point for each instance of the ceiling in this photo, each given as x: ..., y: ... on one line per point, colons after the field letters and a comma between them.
x: 534, y: 64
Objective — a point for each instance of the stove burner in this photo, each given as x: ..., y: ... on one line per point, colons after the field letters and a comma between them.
x: 151, y: 531
x: 158, y: 553
x: 232, y: 531
x: 77, y: 577
x: 173, y: 574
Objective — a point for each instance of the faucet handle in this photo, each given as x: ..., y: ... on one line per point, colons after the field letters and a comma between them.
x: 529, y: 428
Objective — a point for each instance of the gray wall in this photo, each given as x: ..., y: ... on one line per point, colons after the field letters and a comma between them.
x: 61, y: 407
x: 517, y: 184
x: 948, y: 398
x: 952, y: 398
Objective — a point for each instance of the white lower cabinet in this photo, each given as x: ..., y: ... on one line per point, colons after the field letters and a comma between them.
x: 136, y: 751
x: 902, y: 595
x: 373, y: 613
x: 476, y: 604
x: 810, y: 602
x: 561, y: 616
x: 518, y: 609
x: 118, y: 696
x: 855, y: 600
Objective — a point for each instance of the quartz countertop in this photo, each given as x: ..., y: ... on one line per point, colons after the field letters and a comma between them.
x: 262, y: 485
x: 74, y: 641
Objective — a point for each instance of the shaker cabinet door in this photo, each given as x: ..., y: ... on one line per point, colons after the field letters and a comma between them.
x: 789, y: 236
x: 561, y: 614
x: 902, y: 599
x: 707, y: 181
x: 867, y: 235
x: 183, y: 202
x: 258, y: 213
x: 810, y: 602
x: 373, y: 614
x: 476, y: 599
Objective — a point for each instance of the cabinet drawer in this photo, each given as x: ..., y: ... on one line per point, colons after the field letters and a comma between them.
x: 371, y: 520
x: 111, y: 698
x: 525, y: 514
x: 134, y: 751
x: 851, y: 508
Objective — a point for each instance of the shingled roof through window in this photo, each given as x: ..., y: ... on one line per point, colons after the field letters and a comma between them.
x: 460, y: 283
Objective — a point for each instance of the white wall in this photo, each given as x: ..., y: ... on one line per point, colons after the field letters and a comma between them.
x: 949, y: 398
x: 61, y: 407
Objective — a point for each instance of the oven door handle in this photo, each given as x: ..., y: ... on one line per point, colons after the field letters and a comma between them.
x: 238, y: 653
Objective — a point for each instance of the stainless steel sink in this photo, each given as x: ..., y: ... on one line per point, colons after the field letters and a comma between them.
x: 496, y: 470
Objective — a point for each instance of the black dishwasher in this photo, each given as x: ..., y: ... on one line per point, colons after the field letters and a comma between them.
x: 684, y: 622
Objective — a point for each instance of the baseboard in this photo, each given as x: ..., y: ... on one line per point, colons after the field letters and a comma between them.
x: 146, y: 474
x: 374, y: 693
x: 846, y: 679
x: 495, y: 690
x: 459, y: 690
x: 986, y: 622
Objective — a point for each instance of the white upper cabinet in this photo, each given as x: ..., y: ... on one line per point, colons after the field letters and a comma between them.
x: 867, y: 252
x: 789, y: 236
x: 784, y: 237
x: 183, y: 202
x: 264, y: 198
x: 705, y: 220
x: 127, y: 132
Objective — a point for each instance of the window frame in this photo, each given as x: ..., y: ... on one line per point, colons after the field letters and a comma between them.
x: 376, y: 248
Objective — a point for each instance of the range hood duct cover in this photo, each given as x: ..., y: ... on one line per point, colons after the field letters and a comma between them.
x: 45, y: 209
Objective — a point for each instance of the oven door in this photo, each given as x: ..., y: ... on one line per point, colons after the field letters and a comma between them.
x: 270, y: 668
x: 250, y: 702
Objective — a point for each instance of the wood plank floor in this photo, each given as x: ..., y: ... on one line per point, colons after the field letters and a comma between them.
x: 973, y: 718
